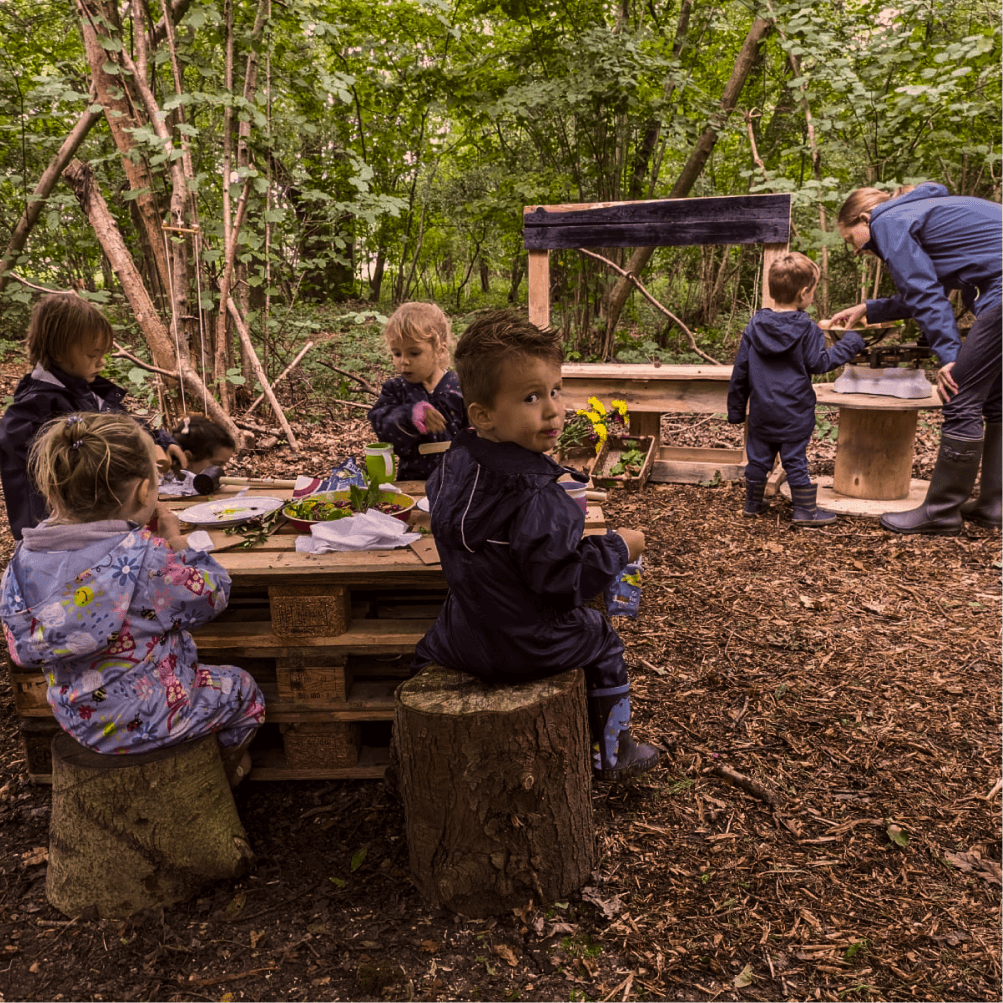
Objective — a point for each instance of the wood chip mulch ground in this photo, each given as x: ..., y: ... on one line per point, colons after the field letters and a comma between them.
x: 825, y: 823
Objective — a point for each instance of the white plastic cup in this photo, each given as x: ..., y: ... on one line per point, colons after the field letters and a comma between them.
x: 576, y: 492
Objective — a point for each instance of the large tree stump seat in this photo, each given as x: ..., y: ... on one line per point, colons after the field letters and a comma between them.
x: 496, y: 786
x: 135, y: 832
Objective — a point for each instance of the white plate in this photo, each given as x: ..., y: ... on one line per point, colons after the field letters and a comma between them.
x: 422, y: 505
x: 230, y: 511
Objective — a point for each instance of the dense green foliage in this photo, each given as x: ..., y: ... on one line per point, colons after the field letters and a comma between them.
x: 391, y: 146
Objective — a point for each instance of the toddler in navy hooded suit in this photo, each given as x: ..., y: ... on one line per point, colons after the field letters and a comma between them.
x: 780, y: 349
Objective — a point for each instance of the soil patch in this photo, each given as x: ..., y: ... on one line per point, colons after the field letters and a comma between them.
x: 828, y: 702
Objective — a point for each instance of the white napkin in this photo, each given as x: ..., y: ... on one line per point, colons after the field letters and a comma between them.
x: 200, y: 540
x: 371, y: 530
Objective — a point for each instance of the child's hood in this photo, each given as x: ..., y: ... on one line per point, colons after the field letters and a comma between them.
x: 75, y: 600
x: 772, y: 332
x: 479, y: 487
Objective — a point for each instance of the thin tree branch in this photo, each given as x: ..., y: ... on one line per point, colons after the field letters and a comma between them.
x: 121, y: 353
x: 634, y: 280
x: 368, y: 387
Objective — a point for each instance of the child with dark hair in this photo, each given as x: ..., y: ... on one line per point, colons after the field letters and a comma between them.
x: 781, y: 347
x: 423, y: 403
x: 103, y: 607
x: 205, y: 442
x: 510, y: 541
x: 68, y: 339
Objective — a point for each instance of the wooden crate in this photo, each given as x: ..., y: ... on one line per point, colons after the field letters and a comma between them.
x: 324, y: 744
x: 611, y: 452
x: 29, y: 693
x: 309, y: 609
x: 36, y: 740
x: 300, y: 681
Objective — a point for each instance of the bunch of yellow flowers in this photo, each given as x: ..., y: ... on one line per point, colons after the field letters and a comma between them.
x: 605, y: 421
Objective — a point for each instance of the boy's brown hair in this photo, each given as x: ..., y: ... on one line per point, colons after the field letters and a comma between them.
x: 489, y: 341
x: 420, y: 323
x: 83, y: 463
x: 60, y: 320
x: 790, y: 274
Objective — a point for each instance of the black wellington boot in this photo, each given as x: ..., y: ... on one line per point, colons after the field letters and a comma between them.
x: 615, y: 754
x: 985, y: 509
x: 950, y: 485
x: 754, y: 494
x: 806, y: 511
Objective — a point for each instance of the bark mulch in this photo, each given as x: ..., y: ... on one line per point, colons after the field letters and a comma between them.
x: 821, y: 826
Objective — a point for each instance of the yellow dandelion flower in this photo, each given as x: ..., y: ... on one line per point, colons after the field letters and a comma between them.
x: 620, y: 407
x: 597, y: 405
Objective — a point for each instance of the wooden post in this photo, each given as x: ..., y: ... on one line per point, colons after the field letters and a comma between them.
x: 538, y: 280
x: 770, y: 254
x: 134, y: 832
x: 874, y: 454
x: 496, y: 785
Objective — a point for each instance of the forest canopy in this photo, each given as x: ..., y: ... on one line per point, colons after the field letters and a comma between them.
x: 330, y: 151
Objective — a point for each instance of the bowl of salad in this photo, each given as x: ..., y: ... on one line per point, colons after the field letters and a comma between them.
x: 326, y: 506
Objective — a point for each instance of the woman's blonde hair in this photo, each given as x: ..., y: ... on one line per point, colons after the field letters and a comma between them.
x: 420, y: 323
x: 83, y: 463
x: 60, y: 320
x: 861, y: 203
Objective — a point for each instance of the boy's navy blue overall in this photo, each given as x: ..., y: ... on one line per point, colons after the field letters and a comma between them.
x: 42, y: 395
x: 391, y: 418
x: 519, y: 570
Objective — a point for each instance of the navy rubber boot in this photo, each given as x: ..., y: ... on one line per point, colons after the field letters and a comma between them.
x: 806, y: 511
x: 985, y: 509
x: 755, y: 492
x: 951, y: 485
x: 615, y: 754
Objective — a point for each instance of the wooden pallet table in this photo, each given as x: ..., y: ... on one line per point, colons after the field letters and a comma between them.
x: 651, y: 391
x: 327, y: 637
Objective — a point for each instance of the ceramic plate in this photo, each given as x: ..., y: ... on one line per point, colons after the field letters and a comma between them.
x: 422, y: 505
x: 230, y: 511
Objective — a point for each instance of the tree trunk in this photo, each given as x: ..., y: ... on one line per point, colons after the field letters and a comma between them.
x: 691, y: 170
x: 122, y: 103
x: 496, y: 787
x: 135, y: 832
x: 79, y: 177
x: 43, y: 189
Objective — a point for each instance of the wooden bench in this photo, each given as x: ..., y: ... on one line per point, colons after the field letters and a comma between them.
x: 651, y: 391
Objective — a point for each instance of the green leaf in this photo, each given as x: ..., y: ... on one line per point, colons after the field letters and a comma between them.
x: 340, y: 882
x: 897, y: 835
x: 359, y: 857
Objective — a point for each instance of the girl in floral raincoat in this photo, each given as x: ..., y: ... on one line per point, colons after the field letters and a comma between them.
x: 103, y: 606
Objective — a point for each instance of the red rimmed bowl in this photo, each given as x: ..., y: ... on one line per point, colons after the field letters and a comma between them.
x: 326, y: 506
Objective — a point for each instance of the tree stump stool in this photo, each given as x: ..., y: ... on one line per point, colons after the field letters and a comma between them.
x: 134, y: 832
x: 496, y: 785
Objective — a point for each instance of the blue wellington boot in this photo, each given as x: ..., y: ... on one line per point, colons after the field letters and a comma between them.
x: 615, y: 754
x: 755, y: 492
x: 806, y: 511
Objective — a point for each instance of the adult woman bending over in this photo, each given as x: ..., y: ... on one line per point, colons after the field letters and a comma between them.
x: 932, y: 243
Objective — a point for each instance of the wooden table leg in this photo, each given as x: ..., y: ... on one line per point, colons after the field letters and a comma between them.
x: 874, y: 453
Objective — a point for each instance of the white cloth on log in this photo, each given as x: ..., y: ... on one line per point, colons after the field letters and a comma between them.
x: 372, y: 530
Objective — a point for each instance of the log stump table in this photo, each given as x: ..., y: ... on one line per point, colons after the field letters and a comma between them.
x: 496, y: 785
x: 874, y: 454
x: 134, y: 832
